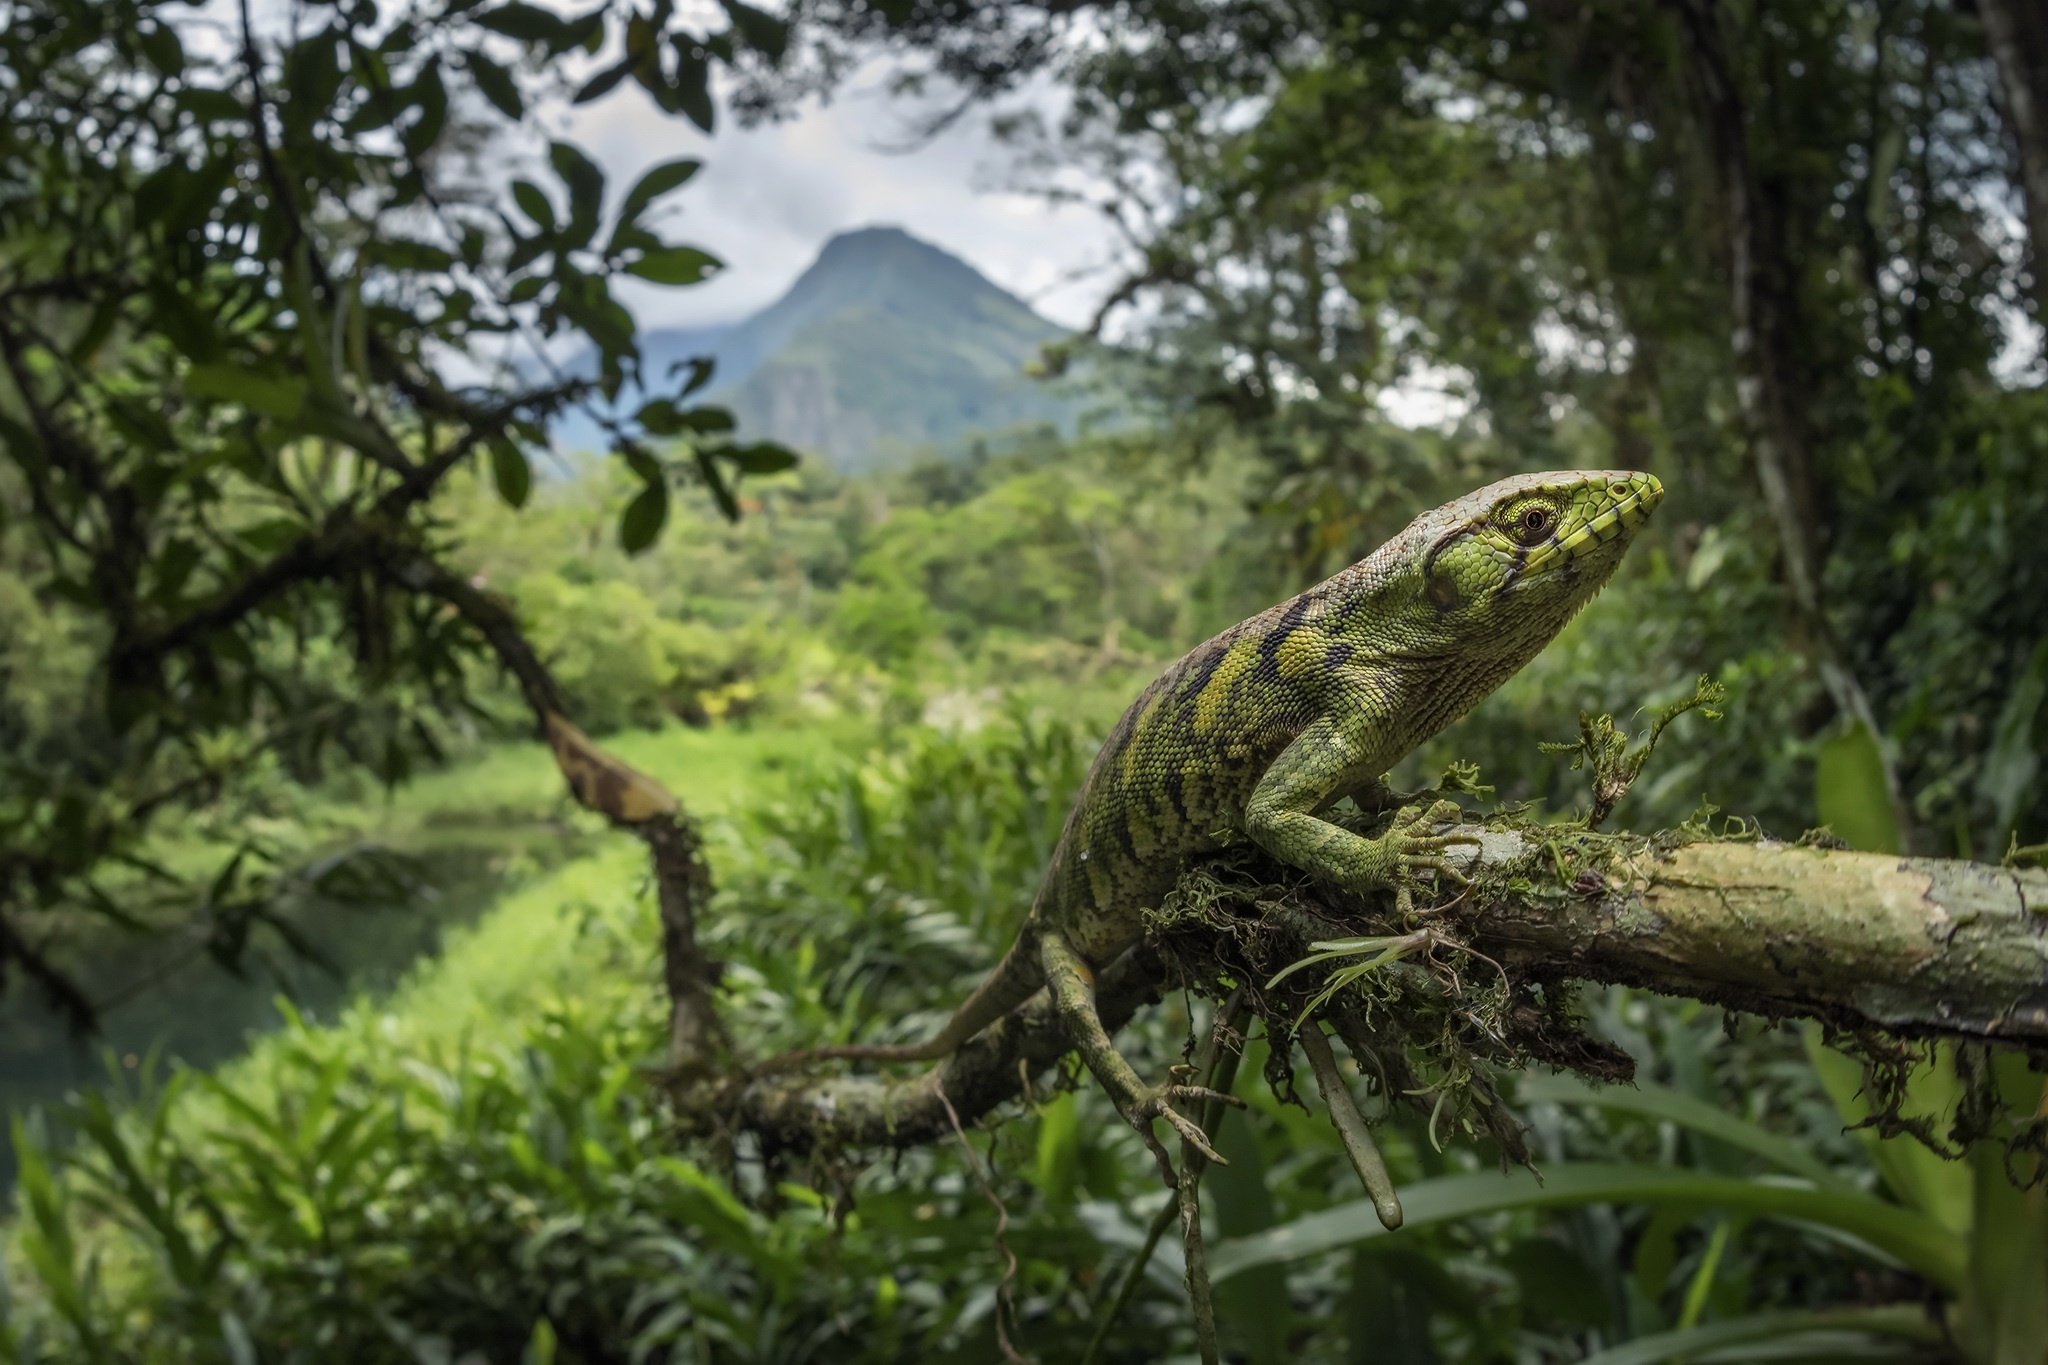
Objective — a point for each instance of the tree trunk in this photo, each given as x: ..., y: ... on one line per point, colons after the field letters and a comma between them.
x: 2017, y: 33
x: 1763, y: 307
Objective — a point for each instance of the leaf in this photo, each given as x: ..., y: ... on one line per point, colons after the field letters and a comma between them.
x: 663, y: 179
x: 580, y: 174
x: 511, y: 472
x: 1849, y: 789
x: 2013, y: 760
x: 1916, y: 1177
x: 700, y: 368
x: 495, y: 83
x: 272, y: 396
x: 431, y: 96
x: 1557, y: 1284
x: 1647, y: 1099
x: 1917, y: 1242
x: 765, y: 33
x: 721, y: 492
x: 534, y: 204
x: 528, y: 23
x: 761, y: 457
x: 210, y: 105
x: 660, y: 417
x: 643, y: 518
x: 1899, y: 1321
x: 602, y: 83
x: 404, y: 254
x: 675, y: 265
x: 1254, y: 1306
x: 161, y: 48
x: 691, y: 89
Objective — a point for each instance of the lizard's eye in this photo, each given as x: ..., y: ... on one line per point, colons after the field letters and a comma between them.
x: 1534, y: 523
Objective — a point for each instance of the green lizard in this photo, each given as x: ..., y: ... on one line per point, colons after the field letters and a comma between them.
x: 1265, y: 726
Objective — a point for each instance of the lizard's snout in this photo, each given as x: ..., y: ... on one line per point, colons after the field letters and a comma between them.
x: 1637, y: 495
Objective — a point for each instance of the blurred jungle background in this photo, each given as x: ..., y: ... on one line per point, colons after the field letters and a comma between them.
x: 345, y: 345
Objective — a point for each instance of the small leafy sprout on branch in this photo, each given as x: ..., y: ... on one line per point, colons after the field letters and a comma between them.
x: 2025, y: 855
x: 1383, y: 949
x: 1605, y: 746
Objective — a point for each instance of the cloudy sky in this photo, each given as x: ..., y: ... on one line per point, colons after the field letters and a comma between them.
x: 770, y: 197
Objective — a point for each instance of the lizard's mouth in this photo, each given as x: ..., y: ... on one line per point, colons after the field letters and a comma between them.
x: 1624, y: 504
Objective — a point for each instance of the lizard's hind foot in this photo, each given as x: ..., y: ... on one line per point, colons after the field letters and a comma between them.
x: 1072, y: 983
x: 1158, y: 1104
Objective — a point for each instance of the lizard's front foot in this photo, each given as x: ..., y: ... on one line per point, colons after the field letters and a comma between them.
x: 1411, y: 848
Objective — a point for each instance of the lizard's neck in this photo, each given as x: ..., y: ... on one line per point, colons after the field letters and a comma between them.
x: 1417, y: 696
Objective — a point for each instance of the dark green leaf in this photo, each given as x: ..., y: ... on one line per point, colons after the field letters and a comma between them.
x: 660, y: 417
x: 315, y: 67
x: 511, y: 473
x: 763, y: 31
x: 188, y: 327
x: 529, y: 23
x: 601, y: 84
x: 401, y: 254
x: 1894, y: 1321
x: 721, y: 491
x: 497, y: 86
x: 587, y: 32
x: 209, y: 104
x: 580, y: 174
x: 761, y: 457
x: 709, y: 421
x: 161, y: 48
x: 675, y: 265
x: 1933, y: 1251
x: 668, y: 176
x: 643, y: 518
x: 1557, y: 1284
x: 271, y: 395
x: 431, y: 95
x: 692, y: 86
x: 700, y: 368
x: 534, y: 204
x: 173, y: 567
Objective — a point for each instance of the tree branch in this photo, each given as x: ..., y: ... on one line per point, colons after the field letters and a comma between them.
x: 1914, y: 947
x: 630, y: 799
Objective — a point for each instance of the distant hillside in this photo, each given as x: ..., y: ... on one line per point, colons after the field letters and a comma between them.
x: 884, y: 347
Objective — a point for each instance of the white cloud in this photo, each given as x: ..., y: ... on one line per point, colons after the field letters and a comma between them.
x: 769, y: 197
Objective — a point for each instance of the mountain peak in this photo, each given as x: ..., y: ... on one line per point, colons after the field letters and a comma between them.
x: 886, y: 345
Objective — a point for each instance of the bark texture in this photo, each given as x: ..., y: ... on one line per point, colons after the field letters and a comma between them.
x: 1864, y: 942
x: 2017, y: 33
x: 1763, y: 304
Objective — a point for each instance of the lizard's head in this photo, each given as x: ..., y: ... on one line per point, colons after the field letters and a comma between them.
x: 1510, y: 564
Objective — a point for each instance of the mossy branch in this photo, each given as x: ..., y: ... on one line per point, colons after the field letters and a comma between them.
x: 1868, y: 944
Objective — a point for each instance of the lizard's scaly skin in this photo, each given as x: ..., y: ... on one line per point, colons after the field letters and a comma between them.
x: 1260, y: 729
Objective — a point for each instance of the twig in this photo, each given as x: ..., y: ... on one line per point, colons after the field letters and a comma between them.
x: 1196, y: 1275
x: 1003, y: 1303
x: 1351, y: 1127
x: 1217, y: 1063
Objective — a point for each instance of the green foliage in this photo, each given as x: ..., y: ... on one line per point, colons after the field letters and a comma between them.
x: 237, y: 265
x: 451, y: 1173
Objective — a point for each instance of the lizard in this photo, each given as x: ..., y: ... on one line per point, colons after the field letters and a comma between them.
x: 1260, y: 730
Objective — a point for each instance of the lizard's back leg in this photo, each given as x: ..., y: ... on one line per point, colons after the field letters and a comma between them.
x: 1072, y: 984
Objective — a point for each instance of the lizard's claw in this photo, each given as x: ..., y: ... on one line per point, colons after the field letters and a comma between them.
x: 1414, y: 848
x: 1158, y: 1104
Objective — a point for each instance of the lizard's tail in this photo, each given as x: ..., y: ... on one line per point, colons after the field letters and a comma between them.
x: 1015, y: 979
